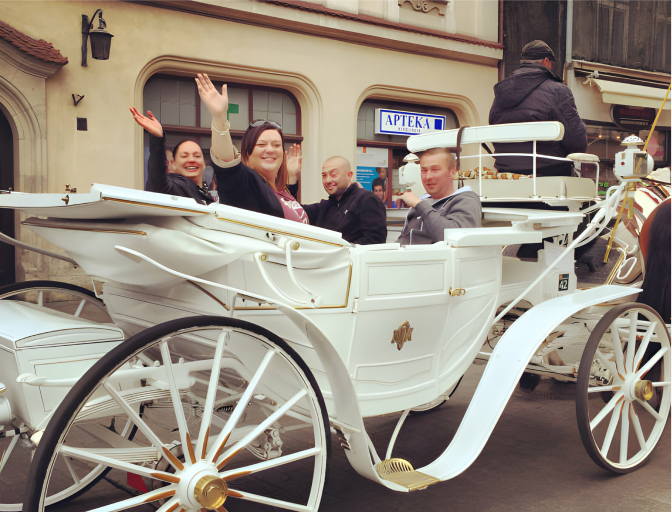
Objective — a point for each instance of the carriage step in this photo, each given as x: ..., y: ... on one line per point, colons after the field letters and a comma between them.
x: 401, y: 472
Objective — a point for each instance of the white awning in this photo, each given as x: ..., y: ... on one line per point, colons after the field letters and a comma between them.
x: 632, y: 95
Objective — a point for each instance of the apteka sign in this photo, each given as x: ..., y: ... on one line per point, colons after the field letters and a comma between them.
x: 399, y: 122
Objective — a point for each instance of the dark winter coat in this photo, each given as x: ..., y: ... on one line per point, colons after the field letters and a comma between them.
x: 535, y: 93
x: 159, y: 180
x: 358, y: 215
x: 242, y: 187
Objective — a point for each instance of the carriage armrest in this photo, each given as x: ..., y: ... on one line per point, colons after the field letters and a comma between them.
x: 500, y: 236
x: 524, y: 227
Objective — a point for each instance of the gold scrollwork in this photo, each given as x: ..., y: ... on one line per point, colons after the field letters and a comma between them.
x: 456, y: 292
x: 402, y: 335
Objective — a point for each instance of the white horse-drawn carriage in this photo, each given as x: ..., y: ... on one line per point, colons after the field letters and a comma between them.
x: 235, y: 330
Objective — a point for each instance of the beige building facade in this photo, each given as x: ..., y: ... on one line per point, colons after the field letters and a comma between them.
x: 315, y: 63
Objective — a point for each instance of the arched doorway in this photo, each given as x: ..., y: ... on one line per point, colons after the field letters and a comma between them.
x: 7, y: 252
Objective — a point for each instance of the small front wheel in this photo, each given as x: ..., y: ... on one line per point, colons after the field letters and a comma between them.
x: 626, y: 364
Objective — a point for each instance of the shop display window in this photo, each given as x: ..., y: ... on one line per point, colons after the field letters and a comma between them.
x: 379, y: 156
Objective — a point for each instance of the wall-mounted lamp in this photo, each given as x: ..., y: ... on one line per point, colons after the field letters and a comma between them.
x: 101, y: 39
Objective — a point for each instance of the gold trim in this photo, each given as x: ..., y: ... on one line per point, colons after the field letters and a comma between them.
x: 402, y: 335
x: 212, y: 296
x: 140, y: 203
x: 46, y: 225
x: 613, y: 272
x: 347, y: 295
x: 401, y: 472
x: 280, y: 232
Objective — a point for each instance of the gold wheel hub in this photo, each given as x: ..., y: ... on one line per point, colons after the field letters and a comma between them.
x: 210, y: 492
x: 644, y: 390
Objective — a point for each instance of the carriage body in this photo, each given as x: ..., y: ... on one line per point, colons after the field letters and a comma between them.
x: 382, y: 328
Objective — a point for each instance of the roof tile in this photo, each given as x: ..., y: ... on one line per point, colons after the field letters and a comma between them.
x: 39, y: 49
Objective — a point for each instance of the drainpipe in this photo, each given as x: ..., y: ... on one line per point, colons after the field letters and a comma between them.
x: 570, y: 27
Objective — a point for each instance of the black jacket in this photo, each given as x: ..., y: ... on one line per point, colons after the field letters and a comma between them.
x: 359, y: 215
x: 242, y: 187
x: 535, y: 93
x: 158, y: 180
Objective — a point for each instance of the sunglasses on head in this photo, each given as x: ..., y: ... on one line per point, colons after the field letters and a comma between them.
x: 260, y: 122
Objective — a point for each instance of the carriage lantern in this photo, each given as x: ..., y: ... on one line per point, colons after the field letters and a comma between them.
x: 101, y: 39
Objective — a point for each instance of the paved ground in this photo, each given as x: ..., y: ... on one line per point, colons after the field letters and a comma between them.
x: 534, y: 461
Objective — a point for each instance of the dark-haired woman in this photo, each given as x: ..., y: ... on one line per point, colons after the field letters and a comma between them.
x: 256, y: 177
x: 186, y: 176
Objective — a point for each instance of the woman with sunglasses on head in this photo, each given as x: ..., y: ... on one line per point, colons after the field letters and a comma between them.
x: 185, y: 176
x: 256, y: 177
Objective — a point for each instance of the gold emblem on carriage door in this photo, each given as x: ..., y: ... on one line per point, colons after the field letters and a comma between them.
x: 402, y: 335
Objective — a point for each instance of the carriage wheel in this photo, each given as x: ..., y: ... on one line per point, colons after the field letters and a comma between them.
x: 37, y: 292
x: 626, y: 360
x: 212, y: 386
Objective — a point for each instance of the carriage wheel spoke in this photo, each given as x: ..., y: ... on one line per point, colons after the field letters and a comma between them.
x: 632, y: 343
x: 260, y: 428
x: 80, y: 308
x: 610, y: 431
x: 5, y: 455
x: 73, y: 474
x: 605, y: 411
x: 625, y: 433
x: 609, y: 388
x: 133, y: 416
x: 86, y: 455
x: 177, y: 403
x: 607, y: 363
x: 648, y: 408
x: 618, y: 350
x: 654, y: 360
x: 170, y: 505
x: 264, y: 465
x: 661, y: 384
x: 230, y: 425
x: 202, y: 445
x: 645, y: 343
x: 154, y: 495
x: 267, y: 500
x: 638, y: 428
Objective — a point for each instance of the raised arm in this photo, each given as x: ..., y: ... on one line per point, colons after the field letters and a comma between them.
x: 157, y: 179
x: 217, y: 104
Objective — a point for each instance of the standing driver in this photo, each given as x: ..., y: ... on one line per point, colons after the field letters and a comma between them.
x: 445, y: 207
x: 535, y: 93
x: 356, y: 213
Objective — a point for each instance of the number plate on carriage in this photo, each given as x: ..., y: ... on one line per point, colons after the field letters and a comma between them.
x: 563, y: 284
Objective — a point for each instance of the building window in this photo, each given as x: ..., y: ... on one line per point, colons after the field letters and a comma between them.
x: 379, y: 156
x: 176, y: 104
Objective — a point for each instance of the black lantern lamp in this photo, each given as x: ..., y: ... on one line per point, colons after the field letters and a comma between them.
x: 101, y: 39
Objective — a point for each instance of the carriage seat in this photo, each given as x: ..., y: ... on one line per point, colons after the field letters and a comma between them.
x: 560, y: 187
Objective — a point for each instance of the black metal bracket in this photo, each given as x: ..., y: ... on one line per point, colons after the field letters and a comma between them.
x: 86, y: 28
x: 76, y: 98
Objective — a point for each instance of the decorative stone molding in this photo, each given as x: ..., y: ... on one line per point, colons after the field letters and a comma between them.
x: 427, y: 6
x: 27, y: 63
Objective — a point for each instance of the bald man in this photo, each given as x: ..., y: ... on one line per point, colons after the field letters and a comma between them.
x: 356, y: 213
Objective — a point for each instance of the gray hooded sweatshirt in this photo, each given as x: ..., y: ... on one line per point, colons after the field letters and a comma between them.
x: 426, y: 222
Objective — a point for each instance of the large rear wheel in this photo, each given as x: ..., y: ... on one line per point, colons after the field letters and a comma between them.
x: 232, y: 415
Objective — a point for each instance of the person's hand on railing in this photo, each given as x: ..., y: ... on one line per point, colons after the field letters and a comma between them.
x: 293, y: 159
x: 149, y: 122
x: 216, y: 103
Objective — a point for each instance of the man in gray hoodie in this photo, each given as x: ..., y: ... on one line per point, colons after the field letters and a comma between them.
x: 445, y: 208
